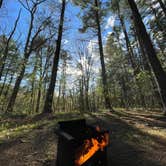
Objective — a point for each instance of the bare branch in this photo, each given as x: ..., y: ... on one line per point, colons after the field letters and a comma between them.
x: 44, y: 41
x: 24, y: 5
x: 28, y: 5
x: 15, y: 25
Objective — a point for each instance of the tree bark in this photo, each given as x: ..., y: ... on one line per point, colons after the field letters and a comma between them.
x: 124, y: 92
x: 22, y: 70
x: 148, y: 68
x: 5, y: 78
x: 32, y: 102
x: 1, y: 3
x: 38, y: 99
x: 128, y: 45
x: 9, y: 85
x: 151, y: 53
x: 50, y: 91
x: 40, y: 81
x: 16, y: 87
x: 144, y: 58
x: 27, y: 52
x: 81, y: 95
x: 58, y: 107
x: 87, y: 98
x: 104, y: 76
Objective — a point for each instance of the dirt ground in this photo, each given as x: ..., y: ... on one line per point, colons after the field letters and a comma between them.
x: 136, y: 138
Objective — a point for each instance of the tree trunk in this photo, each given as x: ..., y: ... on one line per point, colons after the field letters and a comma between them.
x: 40, y: 81
x: 1, y: 3
x: 32, y: 98
x: 63, y: 79
x: 58, y: 98
x: 5, y: 78
x: 87, y: 98
x: 16, y: 87
x: 9, y: 85
x: 144, y: 58
x: 151, y: 53
x: 128, y: 46
x: 162, y: 5
x: 124, y: 93
x: 160, y: 27
x: 27, y: 52
x: 81, y: 95
x: 50, y: 91
x: 7, y: 91
x: 38, y: 100
x: 104, y: 76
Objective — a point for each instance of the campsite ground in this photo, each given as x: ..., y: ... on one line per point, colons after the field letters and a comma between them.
x: 137, y: 138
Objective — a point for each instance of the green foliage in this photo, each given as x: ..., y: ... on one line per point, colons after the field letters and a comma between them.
x: 88, y: 14
x: 128, y: 86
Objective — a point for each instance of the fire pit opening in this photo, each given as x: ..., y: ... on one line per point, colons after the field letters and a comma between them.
x: 80, y: 144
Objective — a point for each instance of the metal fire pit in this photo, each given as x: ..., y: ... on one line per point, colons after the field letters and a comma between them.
x: 71, y: 136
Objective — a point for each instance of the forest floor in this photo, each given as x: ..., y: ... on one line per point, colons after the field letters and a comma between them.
x: 137, y: 138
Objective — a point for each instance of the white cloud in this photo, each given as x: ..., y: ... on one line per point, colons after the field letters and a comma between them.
x: 156, y: 5
x: 83, y: 61
x: 73, y: 71
x: 65, y: 41
x: 109, y: 33
x: 92, y: 44
x: 121, y: 36
x: 96, y: 69
x: 93, y: 49
x: 110, y: 22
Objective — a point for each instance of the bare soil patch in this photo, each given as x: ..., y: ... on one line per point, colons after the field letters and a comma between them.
x: 136, y: 138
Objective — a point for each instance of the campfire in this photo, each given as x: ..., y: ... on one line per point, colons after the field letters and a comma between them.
x: 80, y: 144
x: 90, y: 147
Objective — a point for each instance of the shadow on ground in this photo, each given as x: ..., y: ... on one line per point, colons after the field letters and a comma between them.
x: 129, y: 146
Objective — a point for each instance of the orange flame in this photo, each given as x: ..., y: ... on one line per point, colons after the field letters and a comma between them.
x: 90, y: 147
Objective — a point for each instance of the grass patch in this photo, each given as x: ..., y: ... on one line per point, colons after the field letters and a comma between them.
x: 155, y: 131
x: 14, y: 125
x: 20, y: 130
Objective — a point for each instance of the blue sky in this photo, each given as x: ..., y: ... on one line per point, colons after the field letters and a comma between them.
x: 13, y: 7
x: 72, y: 23
x: 11, y: 10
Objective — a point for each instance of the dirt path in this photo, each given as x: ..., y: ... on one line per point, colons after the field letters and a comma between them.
x: 136, y: 139
x: 131, y: 141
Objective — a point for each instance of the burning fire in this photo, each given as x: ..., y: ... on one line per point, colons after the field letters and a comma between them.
x: 90, y: 147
